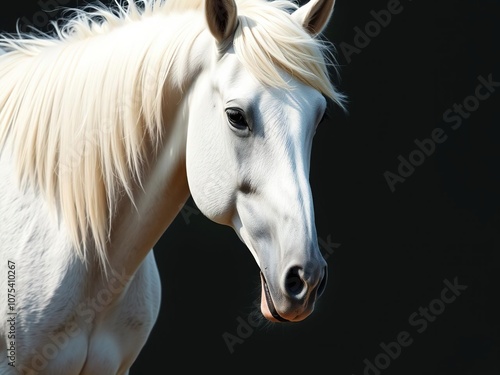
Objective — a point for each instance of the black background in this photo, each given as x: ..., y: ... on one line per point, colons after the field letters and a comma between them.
x: 393, y: 250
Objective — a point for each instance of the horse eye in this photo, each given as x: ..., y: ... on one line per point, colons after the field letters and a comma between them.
x: 236, y: 118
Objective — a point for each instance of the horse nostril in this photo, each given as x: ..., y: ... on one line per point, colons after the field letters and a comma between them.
x: 293, y: 282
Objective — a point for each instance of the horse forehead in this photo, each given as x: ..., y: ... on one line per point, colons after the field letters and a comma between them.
x: 235, y: 82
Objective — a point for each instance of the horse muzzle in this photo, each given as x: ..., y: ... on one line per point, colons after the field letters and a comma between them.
x: 294, y: 299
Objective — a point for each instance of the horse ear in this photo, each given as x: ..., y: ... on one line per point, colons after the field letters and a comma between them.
x: 314, y: 15
x: 221, y: 17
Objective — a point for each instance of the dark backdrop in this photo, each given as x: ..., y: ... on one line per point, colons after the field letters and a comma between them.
x: 389, y: 252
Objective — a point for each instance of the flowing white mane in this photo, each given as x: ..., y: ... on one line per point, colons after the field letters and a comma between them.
x: 82, y: 108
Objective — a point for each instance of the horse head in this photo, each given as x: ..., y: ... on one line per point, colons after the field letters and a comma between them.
x: 253, y: 116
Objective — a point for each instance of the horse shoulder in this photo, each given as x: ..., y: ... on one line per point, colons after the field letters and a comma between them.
x: 65, y: 312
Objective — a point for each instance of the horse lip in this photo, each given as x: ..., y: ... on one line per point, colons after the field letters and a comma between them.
x: 269, y: 300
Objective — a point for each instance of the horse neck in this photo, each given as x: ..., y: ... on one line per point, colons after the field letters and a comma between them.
x: 138, y: 225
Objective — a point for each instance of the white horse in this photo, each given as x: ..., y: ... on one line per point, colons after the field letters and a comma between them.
x: 107, y: 127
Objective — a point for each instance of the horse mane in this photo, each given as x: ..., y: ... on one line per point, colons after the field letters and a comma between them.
x: 83, y: 106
